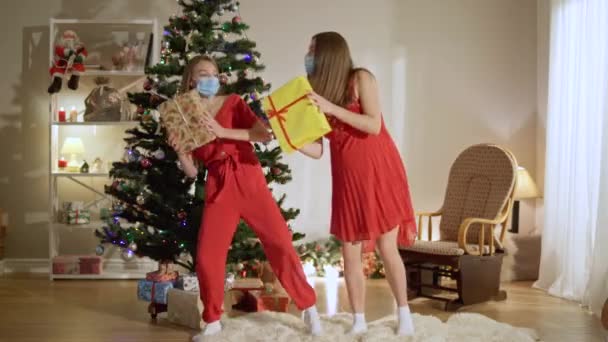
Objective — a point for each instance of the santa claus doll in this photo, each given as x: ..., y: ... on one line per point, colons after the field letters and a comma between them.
x: 69, y: 58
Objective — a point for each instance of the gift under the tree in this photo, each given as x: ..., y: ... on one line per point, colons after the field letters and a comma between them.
x: 152, y: 291
x: 78, y: 216
x: 184, y: 308
x: 187, y: 282
x: 66, y: 264
x: 164, y: 273
x: 90, y: 264
x: 294, y: 119
x: 260, y: 300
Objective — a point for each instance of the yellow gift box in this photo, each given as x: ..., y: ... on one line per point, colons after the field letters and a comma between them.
x: 295, y: 121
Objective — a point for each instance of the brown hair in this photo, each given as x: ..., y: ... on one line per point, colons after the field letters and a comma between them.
x: 189, y: 70
x: 333, y: 68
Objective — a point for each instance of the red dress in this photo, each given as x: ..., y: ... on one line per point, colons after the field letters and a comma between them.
x: 370, y: 191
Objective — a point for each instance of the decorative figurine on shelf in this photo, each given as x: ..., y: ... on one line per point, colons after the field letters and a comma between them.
x: 127, y: 57
x: 97, y: 165
x: 85, y: 167
x: 69, y: 58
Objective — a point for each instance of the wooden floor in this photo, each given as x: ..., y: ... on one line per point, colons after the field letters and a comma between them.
x: 36, y: 309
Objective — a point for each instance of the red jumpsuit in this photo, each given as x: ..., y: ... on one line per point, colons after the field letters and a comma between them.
x: 236, y: 188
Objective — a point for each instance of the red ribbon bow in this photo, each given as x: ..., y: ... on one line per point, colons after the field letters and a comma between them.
x: 280, y: 115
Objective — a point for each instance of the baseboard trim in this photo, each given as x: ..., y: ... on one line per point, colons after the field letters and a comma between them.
x: 17, y: 265
x: 26, y: 265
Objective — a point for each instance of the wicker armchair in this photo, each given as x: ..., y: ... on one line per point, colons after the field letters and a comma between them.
x: 478, y: 199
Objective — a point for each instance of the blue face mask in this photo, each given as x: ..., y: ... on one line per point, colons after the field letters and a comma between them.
x: 208, y: 86
x: 309, y: 63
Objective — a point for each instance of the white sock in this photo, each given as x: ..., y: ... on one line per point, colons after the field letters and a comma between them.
x: 313, y: 321
x: 210, y: 329
x: 359, y: 324
x: 406, y: 325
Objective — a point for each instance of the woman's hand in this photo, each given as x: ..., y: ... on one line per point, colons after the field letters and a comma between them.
x: 172, y: 140
x: 185, y: 159
x: 322, y: 103
x: 213, y: 126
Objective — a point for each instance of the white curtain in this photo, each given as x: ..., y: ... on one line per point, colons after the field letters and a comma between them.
x: 574, y: 262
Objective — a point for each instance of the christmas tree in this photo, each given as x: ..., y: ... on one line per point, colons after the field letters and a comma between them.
x: 158, y: 209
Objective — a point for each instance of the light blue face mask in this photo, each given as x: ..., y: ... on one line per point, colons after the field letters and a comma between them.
x: 208, y: 86
x: 309, y: 63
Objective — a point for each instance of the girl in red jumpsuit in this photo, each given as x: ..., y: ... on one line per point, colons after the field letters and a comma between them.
x: 236, y: 189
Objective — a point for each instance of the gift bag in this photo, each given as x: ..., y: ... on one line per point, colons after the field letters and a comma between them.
x: 184, y: 308
x: 294, y: 120
x: 104, y: 103
x: 182, y: 118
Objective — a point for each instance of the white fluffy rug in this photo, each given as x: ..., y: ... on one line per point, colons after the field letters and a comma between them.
x: 272, y: 326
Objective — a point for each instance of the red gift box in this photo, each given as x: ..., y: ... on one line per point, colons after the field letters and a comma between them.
x: 90, y: 265
x: 274, y: 302
x: 66, y: 264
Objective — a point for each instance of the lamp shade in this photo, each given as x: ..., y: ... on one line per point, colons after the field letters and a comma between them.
x: 72, y: 146
x: 525, y: 188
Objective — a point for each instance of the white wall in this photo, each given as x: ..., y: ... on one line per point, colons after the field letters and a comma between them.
x: 452, y: 74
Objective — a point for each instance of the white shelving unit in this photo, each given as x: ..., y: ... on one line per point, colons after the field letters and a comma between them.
x: 57, y: 228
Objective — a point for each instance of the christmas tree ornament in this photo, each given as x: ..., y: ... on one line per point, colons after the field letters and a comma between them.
x: 226, y: 27
x: 146, y: 163
x: 148, y: 84
x: 127, y: 255
x: 141, y: 200
x: 234, y: 7
x: 99, y: 250
x: 132, y: 246
x: 236, y: 20
x: 223, y: 78
x: 159, y: 154
x: 220, y: 12
x: 151, y: 230
x: 247, y: 58
x: 240, y: 266
x: 276, y: 171
x: 181, y: 215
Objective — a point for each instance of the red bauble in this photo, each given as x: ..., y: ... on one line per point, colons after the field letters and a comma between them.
x: 276, y: 171
x: 148, y: 85
x: 140, y: 110
x: 182, y: 215
x: 223, y: 78
x: 146, y: 163
x: 236, y: 20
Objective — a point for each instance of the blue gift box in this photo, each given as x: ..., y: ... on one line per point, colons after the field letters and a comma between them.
x: 152, y: 291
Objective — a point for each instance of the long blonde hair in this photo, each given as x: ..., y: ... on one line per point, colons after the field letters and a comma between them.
x: 333, y: 68
x: 186, y: 84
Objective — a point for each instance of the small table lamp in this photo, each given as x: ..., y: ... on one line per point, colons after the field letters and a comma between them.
x: 73, y: 147
x: 524, y: 189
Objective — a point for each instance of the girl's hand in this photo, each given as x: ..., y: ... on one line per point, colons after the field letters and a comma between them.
x: 323, y: 104
x: 172, y: 140
x: 213, y: 126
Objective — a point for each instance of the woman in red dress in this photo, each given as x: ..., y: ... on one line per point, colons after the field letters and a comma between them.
x: 371, y: 203
x: 236, y: 189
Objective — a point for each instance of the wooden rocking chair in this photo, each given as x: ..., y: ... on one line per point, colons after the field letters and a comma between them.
x: 479, y: 197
